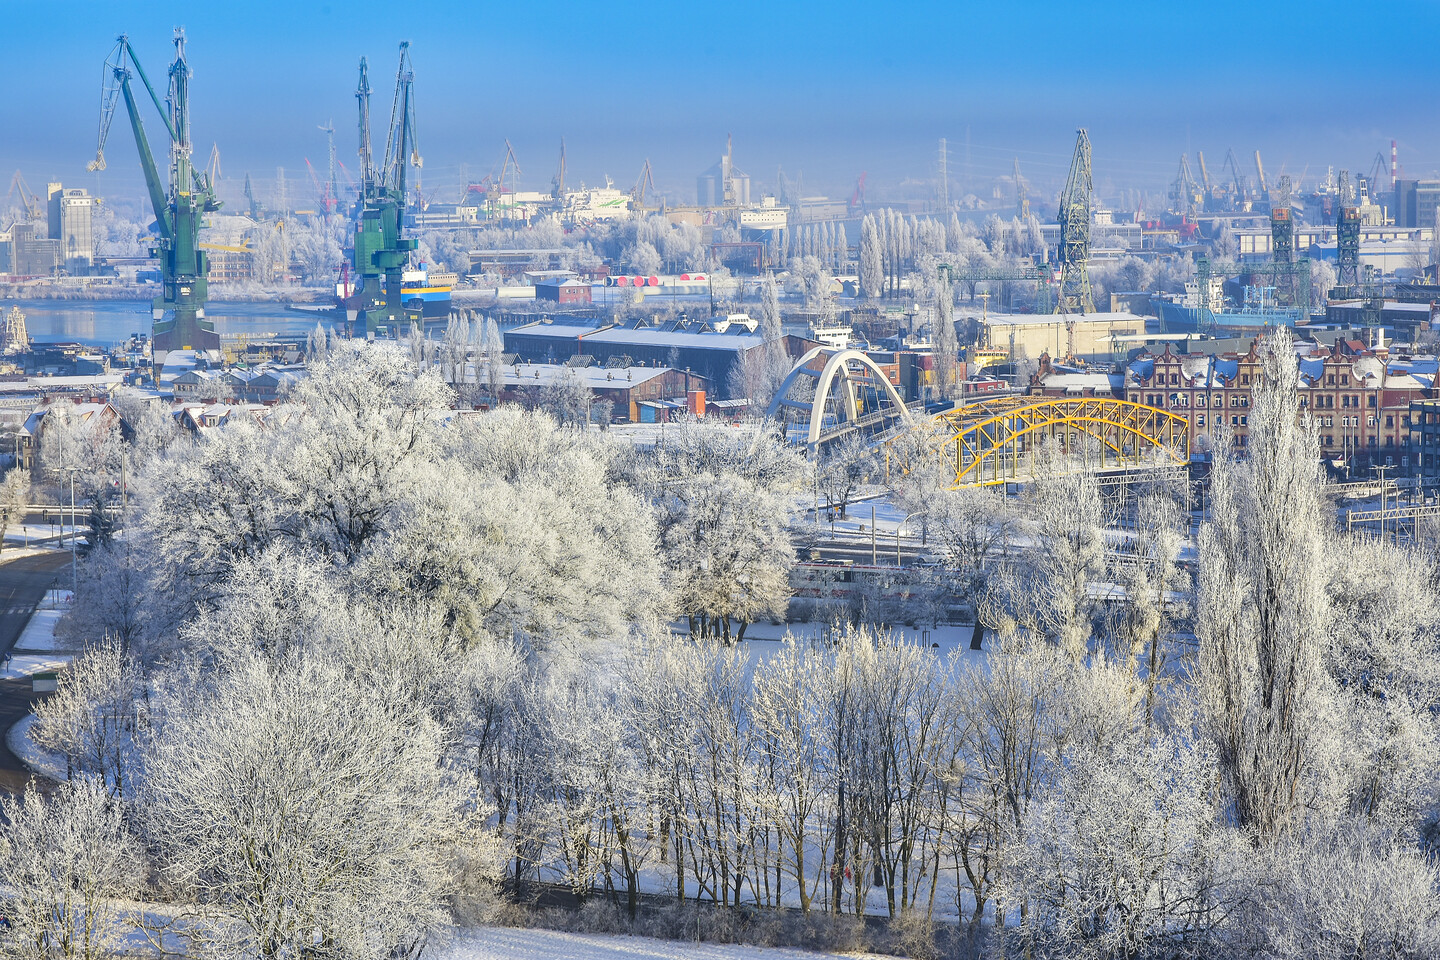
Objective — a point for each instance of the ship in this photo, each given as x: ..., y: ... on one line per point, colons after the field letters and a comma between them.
x: 768, y: 216
x: 427, y: 294
x: 424, y: 294
x: 1194, y: 312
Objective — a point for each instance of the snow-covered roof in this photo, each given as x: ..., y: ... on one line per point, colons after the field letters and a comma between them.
x: 1045, y: 319
x: 1080, y: 382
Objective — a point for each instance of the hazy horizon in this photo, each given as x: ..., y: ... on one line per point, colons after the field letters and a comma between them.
x: 824, y: 92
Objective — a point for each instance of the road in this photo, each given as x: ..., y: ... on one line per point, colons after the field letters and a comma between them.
x: 23, y: 583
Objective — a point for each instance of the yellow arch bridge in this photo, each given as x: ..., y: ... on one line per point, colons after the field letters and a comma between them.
x: 995, y: 441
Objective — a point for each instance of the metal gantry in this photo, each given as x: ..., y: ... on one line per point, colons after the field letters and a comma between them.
x: 1074, y: 218
x: 995, y: 441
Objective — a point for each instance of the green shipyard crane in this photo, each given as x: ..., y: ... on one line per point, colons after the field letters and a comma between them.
x: 374, y: 307
x: 179, y: 205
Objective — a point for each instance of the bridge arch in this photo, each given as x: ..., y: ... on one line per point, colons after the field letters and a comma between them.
x: 848, y: 392
x: 986, y: 443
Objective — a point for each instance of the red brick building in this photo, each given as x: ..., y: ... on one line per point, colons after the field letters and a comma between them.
x: 1360, y: 398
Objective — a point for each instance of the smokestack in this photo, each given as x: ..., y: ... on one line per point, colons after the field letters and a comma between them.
x: 1394, y: 165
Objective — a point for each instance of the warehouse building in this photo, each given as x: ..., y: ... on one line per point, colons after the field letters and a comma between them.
x: 711, y: 348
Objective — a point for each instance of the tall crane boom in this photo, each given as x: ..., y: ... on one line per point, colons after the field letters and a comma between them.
x: 1260, y: 169
x: 1074, y: 217
x: 362, y: 97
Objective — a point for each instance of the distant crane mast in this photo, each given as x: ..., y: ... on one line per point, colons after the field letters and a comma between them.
x: 508, y: 165
x: 362, y: 97
x: 332, y: 190
x: 1260, y: 169
x: 641, y: 185
x: 1022, y: 196
x: 401, y: 150
x: 558, y: 184
x: 1074, y: 218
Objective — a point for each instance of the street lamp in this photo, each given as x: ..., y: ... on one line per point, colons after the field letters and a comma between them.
x: 898, y: 527
x: 74, y: 567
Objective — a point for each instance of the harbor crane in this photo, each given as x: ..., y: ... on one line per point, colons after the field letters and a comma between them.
x: 28, y: 200
x: 637, y: 194
x: 179, y: 206
x: 374, y: 304
x: 557, y: 185
x: 1074, y: 217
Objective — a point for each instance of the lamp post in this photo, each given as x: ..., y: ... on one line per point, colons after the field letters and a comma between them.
x: 74, y: 568
x: 898, y: 527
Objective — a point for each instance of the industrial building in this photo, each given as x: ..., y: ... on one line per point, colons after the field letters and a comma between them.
x: 1425, y: 443
x: 1415, y: 202
x: 31, y: 255
x: 71, y: 215
x: 711, y: 349
x: 630, y: 389
x: 1059, y: 335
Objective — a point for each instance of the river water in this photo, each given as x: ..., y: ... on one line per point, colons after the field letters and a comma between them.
x: 105, y: 323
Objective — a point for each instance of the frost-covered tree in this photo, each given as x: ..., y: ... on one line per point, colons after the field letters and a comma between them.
x: 87, y: 444
x: 568, y: 400
x: 1261, y: 611
x: 944, y: 345
x: 257, y: 780
x: 1343, y: 891
x: 494, y: 350
x: 66, y: 860
x: 92, y: 720
x: 872, y: 266
x: 14, y: 496
x: 728, y: 553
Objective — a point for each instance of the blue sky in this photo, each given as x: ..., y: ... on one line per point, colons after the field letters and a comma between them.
x: 824, y: 90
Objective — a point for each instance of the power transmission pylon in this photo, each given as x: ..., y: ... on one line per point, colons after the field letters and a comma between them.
x: 1074, y: 218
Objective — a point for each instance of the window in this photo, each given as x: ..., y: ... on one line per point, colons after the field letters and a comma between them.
x: 1390, y: 420
x: 1328, y: 422
x: 1234, y: 421
x: 1370, y: 420
x: 1244, y: 379
x: 1372, y: 399
x: 1244, y: 420
x: 1370, y: 442
x: 1174, y: 379
x: 1244, y: 401
x: 1200, y: 400
x: 1330, y: 380
x: 1200, y: 420
x: 1217, y: 401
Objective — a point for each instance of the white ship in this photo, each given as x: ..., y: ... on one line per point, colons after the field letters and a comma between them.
x: 768, y: 216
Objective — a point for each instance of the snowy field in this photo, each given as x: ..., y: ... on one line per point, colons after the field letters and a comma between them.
x: 503, y: 943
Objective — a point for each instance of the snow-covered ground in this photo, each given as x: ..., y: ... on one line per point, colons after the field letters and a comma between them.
x: 504, y: 943
x: 36, y: 651
x: 22, y: 534
x: 40, y: 761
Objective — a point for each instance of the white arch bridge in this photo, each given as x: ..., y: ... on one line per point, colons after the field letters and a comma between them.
x: 833, y: 393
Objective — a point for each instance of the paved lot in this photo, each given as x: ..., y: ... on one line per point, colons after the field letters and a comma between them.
x: 23, y: 583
